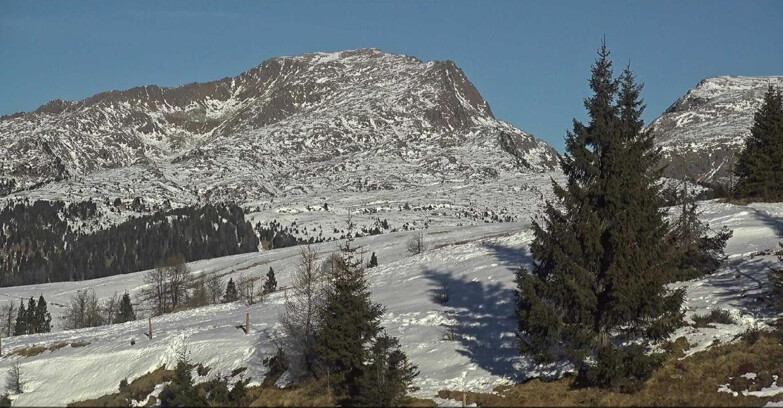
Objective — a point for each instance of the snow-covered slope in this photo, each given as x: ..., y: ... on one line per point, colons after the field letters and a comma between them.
x: 474, y: 263
x: 701, y: 132
x: 360, y: 120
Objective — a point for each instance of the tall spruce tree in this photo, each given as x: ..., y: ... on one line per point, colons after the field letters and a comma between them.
x: 270, y: 285
x: 21, y: 324
x: 387, y: 374
x: 601, y: 253
x: 349, y: 321
x: 231, y: 292
x: 699, y: 250
x: 759, y: 166
x: 126, y: 313
x: 42, y: 319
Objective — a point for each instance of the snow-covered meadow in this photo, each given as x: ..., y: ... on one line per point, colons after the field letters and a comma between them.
x: 467, y: 342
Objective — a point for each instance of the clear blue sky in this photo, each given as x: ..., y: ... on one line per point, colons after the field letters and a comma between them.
x: 530, y: 60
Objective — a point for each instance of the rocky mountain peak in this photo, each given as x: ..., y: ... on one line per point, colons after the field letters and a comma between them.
x: 701, y: 132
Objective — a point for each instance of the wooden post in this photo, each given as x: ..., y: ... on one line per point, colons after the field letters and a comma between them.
x: 247, y: 323
x: 1, y: 345
x: 150, y: 322
x: 464, y: 398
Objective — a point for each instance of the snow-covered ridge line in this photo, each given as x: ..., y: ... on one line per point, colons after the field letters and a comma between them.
x: 701, y: 131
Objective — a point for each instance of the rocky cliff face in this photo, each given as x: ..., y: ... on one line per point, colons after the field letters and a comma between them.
x: 352, y: 120
x: 701, y: 132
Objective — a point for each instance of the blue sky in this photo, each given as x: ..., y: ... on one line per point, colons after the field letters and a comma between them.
x: 530, y: 60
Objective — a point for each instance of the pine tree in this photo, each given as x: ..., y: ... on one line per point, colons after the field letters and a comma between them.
x: 42, y: 318
x: 373, y: 261
x: 776, y: 282
x: 759, y: 166
x: 231, y: 292
x: 349, y: 320
x: 181, y: 391
x: 601, y: 253
x: 126, y: 313
x: 21, y: 325
x: 387, y: 375
x: 698, y: 249
x: 271, y: 283
x: 30, y: 322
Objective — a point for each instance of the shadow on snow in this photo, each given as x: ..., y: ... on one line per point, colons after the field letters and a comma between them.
x: 483, y: 312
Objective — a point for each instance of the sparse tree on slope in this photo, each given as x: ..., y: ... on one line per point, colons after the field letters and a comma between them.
x: 349, y: 321
x: 42, y: 319
x: 601, y: 254
x: 759, y: 167
x: 231, y: 292
x: 299, y: 319
x: 14, y: 382
x: 271, y: 283
x: 126, y: 313
x: 699, y: 250
x: 387, y: 375
x: 373, y: 261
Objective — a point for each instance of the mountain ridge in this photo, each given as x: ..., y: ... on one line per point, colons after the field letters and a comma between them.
x: 700, y: 132
x: 349, y: 121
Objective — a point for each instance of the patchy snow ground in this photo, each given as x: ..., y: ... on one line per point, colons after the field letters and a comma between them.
x: 474, y: 263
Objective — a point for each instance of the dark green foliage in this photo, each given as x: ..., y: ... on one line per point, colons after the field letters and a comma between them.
x: 35, y: 318
x: 37, y: 245
x: 364, y: 364
x: 698, y: 249
x: 387, y: 375
x: 623, y: 370
x: 776, y: 283
x: 349, y: 320
x: 181, y: 392
x: 5, y: 400
x: 759, y: 167
x: 270, y: 285
x: 22, y: 320
x: 231, y: 292
x: 721, y: 316
x: 277, y: 365
x: 41, y: 318
x: 602, y: 257
x: 275, y: 236
x: 126, y: 313
x: 373, y: 261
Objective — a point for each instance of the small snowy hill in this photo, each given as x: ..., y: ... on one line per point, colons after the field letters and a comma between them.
x: 701, y: 132
x: 475, y: 265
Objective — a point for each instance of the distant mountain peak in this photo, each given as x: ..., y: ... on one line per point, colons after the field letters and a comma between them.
x: 320, y: 117
x: 701, y: 131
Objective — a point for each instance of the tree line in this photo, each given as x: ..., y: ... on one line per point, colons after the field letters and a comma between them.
x: 38, y: 246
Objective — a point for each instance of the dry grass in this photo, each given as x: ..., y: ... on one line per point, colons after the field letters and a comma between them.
x: 312, y: 394
x: 36, y: 350
x: 692, y: 381
x: 138, y: 390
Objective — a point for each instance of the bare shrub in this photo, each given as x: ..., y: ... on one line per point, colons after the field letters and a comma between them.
x: 299, y: 316
x: 83, y: 311
x: 416, y: 244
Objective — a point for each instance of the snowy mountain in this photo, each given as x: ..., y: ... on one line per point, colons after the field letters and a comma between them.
x: 313, y: 124
x: 701, y: 132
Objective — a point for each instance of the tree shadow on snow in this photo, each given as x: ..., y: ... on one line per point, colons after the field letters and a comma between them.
x: 510, y: 256
x: 483, y: 314
x: 744, y: 284
x: 773, y: 222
